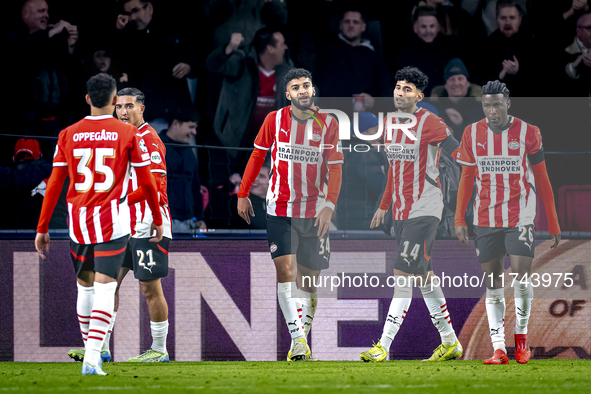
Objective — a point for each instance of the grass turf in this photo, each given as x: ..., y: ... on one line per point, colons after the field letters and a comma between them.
x: 540, y: 376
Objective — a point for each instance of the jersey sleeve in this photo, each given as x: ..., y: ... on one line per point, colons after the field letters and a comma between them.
x: 438, y: 130
x: 463, y: 153
x: 265, y: 137
x: 334, y: 155
x: 533, y: 140
x: 157, y: 153
x: 59, y: 157
x: 139, y: 156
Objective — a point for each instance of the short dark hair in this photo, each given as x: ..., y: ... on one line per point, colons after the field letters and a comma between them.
x: 352, y: 8
x: 423, y: 10
x: 140, y: 98
x: 510, y: 3
x: 296, y: 73
x: 184, y: 113
x: 495, y: 87
x: 413, y: 75
x: 100, y: 88
x: 264, y: 37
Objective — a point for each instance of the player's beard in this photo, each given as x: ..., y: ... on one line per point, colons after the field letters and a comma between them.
x: 301, y: 107
x: 404, y: 106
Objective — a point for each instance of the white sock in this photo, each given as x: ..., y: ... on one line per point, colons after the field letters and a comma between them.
x: 288, y: 302
x: 100, y: 319
x: 435, y: 301
x: 495, y: 311
x: 398, y: 308
x: 159, y: 334
x: 309, y: 303
x: 84, y: 303
x: 524, y: 295
x: 108, y: 336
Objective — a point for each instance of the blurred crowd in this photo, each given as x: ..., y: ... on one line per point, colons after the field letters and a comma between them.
x: 211, y: 71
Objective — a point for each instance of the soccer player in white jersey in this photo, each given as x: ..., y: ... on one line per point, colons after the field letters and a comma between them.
x: 149, y: 261
x: 97, y: 154
x: 414, y: 190
x: 504, y: 155
x: 303, y: 191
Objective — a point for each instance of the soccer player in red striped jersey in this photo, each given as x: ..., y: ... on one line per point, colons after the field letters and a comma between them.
x: 306, y: 165
x: 148, y: 260
x: 97, y: 154
x: 504, y: 155
x: 415, y: 194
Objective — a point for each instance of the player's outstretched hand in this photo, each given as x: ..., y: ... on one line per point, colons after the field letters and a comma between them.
x: 323, y: 221
x: 41, y: 240
x: 462, y: 234
x: 378, y: 218
x: 556, y: 239
x: 157, y: 232
x: 245, y: 209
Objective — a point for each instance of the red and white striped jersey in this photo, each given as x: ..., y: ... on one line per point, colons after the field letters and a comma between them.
x: 505, y: 185
x: 141, y: 215
x: 299, y: 162
x: 416, y: 189
x: 98, y: 151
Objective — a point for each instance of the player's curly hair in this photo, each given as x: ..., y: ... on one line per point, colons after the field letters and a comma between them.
x: 296, y: 73
x: 413, y: 75
x: 100, y: 88
x: 140, y: 98
x: 496, y: 87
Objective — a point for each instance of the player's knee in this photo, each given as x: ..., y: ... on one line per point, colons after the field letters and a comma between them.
x: 151, y: 290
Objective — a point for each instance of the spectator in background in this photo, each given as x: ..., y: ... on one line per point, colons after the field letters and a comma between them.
x: 562, y: 15
x: 509, y: 54
x: 158, y: 58
x: 428, y: 49
x: 226, y: 17
x: 578, y: 59
x: 252, y: 84
x: 184, y: 185
x: 349, y: 65
x: 322, y: 20
x: 453, y: 20
x: 41, y: 56
x: 364, y: 176
x: 576, y: 7
x: 101, y: 57
x: 458, y: 101
x: 222, y: 18
x: 23, y: 187
x: 484, y: 15
x: 252, y: 87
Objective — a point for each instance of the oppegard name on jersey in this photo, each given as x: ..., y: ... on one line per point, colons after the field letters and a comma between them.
x: 499, y: 164
x: 298, y: 153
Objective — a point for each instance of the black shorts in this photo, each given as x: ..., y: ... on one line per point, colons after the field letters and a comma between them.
x: 105, y: 258
x: 298, y: 236
x: 495, y: 242
x: 415, y: 239
x: 148, y: 260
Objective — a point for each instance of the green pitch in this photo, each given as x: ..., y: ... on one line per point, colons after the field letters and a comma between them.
x: 539, y: 376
